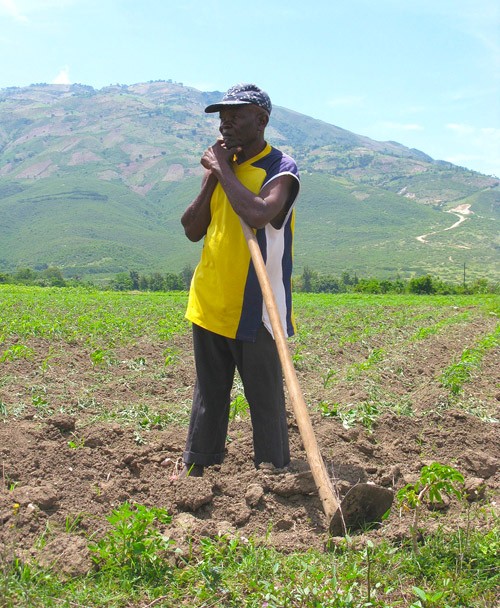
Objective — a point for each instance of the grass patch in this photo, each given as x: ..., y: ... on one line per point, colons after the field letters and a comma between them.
x: 136, y: 565
x: 461, y: 372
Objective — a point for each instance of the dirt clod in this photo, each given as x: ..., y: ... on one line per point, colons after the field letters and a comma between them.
x: 80, y: 466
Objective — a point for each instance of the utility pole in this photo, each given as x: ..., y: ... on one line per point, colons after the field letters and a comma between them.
x: 464, y: 275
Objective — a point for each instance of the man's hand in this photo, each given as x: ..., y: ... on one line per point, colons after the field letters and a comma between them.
x: 217, y: 156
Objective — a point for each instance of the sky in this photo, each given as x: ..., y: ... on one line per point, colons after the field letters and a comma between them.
x: 424, y: 73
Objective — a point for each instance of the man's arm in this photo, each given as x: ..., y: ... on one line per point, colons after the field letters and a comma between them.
x: 197, y: 216
x: 256, y: 209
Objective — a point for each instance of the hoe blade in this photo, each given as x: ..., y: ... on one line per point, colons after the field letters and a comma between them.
x: 365, y: 503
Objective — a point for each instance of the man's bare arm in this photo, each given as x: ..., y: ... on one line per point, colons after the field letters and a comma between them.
x: 197, y: 216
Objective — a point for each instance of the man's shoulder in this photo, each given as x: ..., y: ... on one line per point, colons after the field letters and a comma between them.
x: 277, y: 153
x: 279, y: 162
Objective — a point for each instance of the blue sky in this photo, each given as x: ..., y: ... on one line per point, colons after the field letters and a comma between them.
x: 425, y: 73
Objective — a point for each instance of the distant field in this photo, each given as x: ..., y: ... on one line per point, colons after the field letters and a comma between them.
x: 95, y: 395
x: 95, y: 229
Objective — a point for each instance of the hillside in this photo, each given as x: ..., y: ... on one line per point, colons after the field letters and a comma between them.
x: 95, y: 181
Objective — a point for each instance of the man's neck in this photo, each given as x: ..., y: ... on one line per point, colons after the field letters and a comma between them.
x: 251, y: 151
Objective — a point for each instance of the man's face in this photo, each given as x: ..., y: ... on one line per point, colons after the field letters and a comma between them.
x: 241, y: 125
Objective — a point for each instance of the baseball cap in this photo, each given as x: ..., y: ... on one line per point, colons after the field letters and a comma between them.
x: 242, y: 94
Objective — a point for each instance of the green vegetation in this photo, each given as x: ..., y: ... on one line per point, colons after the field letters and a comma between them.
x: 310, y: 281
x: 94, y: 183
x: 136, y: 567
x: 134, y: 548
x: 435, y: 482
x: 358, y: 342
x: 457, y: 374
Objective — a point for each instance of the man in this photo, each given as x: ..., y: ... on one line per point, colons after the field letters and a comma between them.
x: 244, y: 177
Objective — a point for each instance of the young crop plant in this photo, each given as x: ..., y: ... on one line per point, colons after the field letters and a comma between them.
x: 355, y: 370
x: 17, y: 351
x: 298, y: 356
x: 329, y: 378
x: 134, y: 546
x: 40, y: 403
x: 427, y: 599
x: 424, y: 332
x: 171, y: 357
x: 144, y: 417
x: 458, y: 374
x: 365, y: 413
x: 101, y: 357
x: 76, y: 443
x: 238, y: 407
x: 435, y: 481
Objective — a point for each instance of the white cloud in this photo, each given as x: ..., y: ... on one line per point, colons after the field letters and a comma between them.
x: 12, y: 9
x: 62, y: 77
x: 21, y: 10
x: 478, y: 134
x: 398, y: 126
x: 346, y: 100
x: 460, y: 129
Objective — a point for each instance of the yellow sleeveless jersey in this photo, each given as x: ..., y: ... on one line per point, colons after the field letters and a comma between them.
x: 225, y: 296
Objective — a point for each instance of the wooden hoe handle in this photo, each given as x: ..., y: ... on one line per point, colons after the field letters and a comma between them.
x: 316, y: 463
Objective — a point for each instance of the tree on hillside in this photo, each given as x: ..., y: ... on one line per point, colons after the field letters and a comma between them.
x: 24, y: 275
x: 187, y: 275
x: 308, y: 277
x: 134, y: 277
x: 122, y: 282
x: 156, y: 282
x: 53, y: 276
x: 422, y: 285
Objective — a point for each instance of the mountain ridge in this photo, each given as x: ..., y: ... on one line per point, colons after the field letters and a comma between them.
x: 134, y: 151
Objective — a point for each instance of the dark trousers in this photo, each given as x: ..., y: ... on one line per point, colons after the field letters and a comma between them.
x: 259, y: 367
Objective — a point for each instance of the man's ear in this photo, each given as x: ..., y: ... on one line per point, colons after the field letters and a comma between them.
x: 263, y: 118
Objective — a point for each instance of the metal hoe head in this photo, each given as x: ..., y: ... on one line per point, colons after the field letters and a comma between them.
x: 365, y: 503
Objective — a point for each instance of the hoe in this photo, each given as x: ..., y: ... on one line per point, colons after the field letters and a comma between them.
x: 365, y: 503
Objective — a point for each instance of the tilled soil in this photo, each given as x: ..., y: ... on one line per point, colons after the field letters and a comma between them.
x: 65, y: 466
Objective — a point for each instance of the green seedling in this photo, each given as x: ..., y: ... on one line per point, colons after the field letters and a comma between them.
x: 17, y: 351
x: 149, y: 419
x: 134, y: 544
x: 426, y: 599
x: 44, y: 537
x: 39, y: 401
x: 357, y: 369
x: 238, y: 407
x: 76, y: 443
x: 328, y: 410
x: 45, y: 365
x: 458, y: 374
x: 72, y: 523
x: 145, y: 418
x: 100, y: 358
x: 329, y: 378
x: 365, y: 413
x: 435, y: 481
x: 171, y: 357
x: 298, y: 357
